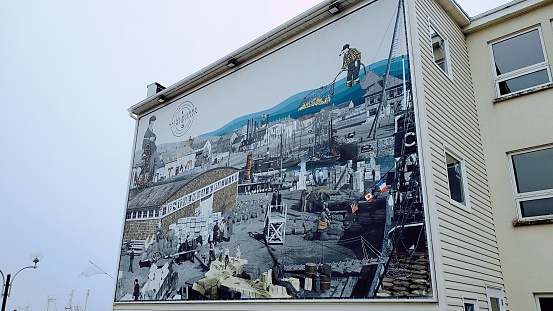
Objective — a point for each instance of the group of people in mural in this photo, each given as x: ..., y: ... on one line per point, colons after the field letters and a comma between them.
x: 221, y: 231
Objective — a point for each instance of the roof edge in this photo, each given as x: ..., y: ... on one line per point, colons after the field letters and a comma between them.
x: 503, y: 13
x: 455, y: 11
x: 304, y: 22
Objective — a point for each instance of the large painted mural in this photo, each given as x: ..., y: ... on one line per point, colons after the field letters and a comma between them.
x: 296, y: 177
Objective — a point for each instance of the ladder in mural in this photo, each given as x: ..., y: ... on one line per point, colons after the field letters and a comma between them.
x: 275, y: 223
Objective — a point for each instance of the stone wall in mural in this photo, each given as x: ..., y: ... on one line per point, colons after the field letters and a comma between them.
x: 316, y: 197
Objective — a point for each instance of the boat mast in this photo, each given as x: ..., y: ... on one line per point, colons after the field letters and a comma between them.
x: 387, y: 72
x: 86, y: 301
x: 70, y: 301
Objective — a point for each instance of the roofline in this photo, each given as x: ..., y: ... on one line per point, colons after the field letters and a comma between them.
x: 302, y: 24
x: 455, y: 11
x: 307, y: 21
x: 503, y: 13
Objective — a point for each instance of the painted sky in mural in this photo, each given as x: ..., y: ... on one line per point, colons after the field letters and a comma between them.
x: 293, y: 178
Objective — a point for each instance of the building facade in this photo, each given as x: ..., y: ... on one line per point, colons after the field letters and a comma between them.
x: 509, y: 49
x: 411, y: 181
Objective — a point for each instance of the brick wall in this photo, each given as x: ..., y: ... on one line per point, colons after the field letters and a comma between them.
x: 222, y: 199
x: 225, y: 197
x: 139, y: 229
x: 187, y: 211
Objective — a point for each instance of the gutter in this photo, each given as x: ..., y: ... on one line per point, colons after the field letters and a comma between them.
x: 503, y: 13
x: 455, y: 11
x: 244, y: 55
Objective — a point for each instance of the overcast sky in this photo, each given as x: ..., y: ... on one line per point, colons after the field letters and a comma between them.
x: 69, y: 70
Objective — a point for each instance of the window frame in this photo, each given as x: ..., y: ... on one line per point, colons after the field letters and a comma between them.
x: 527, y: 196
x: 522, y: 71
x: 470, y: 301
x: 495, y: 292
x: 538, y: 296
x: 432, y: 29
x: 448, y: 151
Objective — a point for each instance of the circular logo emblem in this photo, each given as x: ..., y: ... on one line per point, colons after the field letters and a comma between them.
x: 183, y: 118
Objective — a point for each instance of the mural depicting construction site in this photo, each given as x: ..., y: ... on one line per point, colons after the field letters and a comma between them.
x: 314, y: 196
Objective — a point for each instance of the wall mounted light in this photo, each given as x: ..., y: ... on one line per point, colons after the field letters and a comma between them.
x: 231, y: 63
x: 334, y: 9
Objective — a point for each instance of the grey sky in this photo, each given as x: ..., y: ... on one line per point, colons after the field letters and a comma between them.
x: 68, y: 72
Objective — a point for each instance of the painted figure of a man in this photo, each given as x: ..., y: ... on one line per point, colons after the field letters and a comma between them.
x: 216, y: 233
x: 131, y: 259
x: 351, y: 63
x: 136, y: 290
x: 149, y: 142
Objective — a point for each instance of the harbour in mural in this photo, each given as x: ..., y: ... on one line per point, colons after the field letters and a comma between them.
x: 317, y: 196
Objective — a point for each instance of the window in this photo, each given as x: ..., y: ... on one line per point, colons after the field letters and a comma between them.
x: 494, y: 304
x: 456, y: 179
x: 439, y: 50
x: 470, y: 304
x: 519, y: 62
x: 544, y: 302
x: 496, y: 301
x: 532, y: 174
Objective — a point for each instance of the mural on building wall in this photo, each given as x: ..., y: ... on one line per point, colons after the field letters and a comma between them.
x: 288, y: 190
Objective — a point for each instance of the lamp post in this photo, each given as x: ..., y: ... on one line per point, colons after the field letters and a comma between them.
x: 8, y: 280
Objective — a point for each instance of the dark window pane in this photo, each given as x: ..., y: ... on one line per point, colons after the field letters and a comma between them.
x: 518, y: 52
x: 523, y: 82
x: 455, y: 178
x: 534, y: 170
x: 469, y: 307
x: 546, y: 303
x: 455, y: 184
x: 540, y: 207
x: 438, y: 49
x: 494, y: 304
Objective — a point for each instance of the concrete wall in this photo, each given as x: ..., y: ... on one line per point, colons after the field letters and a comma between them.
x: 506, y: 126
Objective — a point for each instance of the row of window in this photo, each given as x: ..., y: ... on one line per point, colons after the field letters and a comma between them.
x: 519, y: 63
x: 149, y: 214
x: 543, y: 303
x: 519, y: 60
x: 496, y: 301
x: 532, y: 176
x: 183, y: 201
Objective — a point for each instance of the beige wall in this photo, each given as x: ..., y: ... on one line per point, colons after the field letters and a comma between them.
x: 463, y: 239
x: 523, y: 122
x: 279, y: 306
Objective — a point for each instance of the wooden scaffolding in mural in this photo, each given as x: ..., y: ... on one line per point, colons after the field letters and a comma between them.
x: 275, y: 223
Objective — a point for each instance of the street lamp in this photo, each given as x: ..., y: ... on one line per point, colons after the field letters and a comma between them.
x: 8, y: 281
